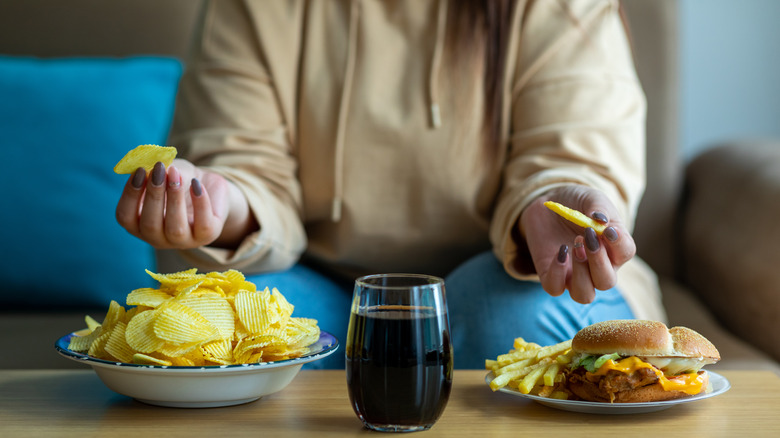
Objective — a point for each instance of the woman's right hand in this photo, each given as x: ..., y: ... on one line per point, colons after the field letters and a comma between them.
x: 567, y: 257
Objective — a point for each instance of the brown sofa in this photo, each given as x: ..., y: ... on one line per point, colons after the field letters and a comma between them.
x: 698, y: 226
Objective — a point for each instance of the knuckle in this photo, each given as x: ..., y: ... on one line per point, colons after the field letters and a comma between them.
x: 124, y: 218
x: 149, y: 230
x: 206, y: 233
x: 587, y: 298
x: 606, y: 284
x: 177, y: 234
x: 155, y: 193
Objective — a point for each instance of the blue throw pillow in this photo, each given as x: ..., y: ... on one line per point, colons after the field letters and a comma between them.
x: 64, y: 123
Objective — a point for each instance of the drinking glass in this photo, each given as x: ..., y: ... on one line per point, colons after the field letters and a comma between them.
x: 399, y: 352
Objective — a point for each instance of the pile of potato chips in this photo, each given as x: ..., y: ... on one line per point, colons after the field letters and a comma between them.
x: 532, y: 369
x: 192, y: 319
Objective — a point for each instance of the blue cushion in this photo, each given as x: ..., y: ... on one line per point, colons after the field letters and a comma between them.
x: 64, y: 123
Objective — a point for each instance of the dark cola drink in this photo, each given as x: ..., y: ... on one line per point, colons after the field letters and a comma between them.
x: 399, y: 366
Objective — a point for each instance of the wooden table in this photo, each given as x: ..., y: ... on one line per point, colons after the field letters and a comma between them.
x: 65, y: 403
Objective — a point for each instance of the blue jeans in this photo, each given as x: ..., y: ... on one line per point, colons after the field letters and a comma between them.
x: 488, y: 309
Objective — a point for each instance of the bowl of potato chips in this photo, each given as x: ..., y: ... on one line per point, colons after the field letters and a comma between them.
x: 199, y: 386
x: 198, y: 340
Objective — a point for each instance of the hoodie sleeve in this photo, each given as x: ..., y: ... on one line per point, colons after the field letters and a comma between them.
x: 234, y: 116
x: 576, y: 115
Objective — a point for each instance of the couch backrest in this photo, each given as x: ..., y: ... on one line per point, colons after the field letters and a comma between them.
x: 65, y: 256
x: 654, y: 29
x: 53, y: 28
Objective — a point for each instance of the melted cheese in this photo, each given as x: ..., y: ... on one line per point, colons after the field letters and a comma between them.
x: 689, y: 383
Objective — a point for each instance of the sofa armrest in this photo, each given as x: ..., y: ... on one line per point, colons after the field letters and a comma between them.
x: 730, y: 238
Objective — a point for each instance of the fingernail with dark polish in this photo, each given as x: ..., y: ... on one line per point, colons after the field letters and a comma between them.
x: 563, y: 252
x: 158, y: 174
x: 138, y: 178
x: 591, y: 240
x: 197, y: 189
x: 611, y: 234
x: 601, y: 217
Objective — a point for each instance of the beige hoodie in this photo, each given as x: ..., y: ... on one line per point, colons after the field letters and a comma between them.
x: 355, y: 141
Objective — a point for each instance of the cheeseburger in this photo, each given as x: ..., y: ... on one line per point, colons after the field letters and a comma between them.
x: 630, y: 361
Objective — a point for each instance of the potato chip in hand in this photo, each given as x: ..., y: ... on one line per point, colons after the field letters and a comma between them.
x: 146, y: 156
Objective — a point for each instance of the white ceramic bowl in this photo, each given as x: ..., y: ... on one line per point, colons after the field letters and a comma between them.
x: 199, y: 387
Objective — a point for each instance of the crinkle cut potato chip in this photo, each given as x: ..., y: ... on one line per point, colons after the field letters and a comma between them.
x: 145, y: 359
x: 198, y: 319
x: 146, y: 156
x: 147, y: 296
x: 140, y: 333
x: 215, y: 308
x: 179, y: 324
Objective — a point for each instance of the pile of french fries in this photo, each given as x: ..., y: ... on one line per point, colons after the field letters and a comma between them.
x: 532, y: 369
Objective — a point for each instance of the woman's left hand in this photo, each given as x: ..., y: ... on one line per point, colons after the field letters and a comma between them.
x: 567, y: 256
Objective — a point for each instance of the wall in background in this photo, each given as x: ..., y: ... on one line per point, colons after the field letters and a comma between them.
x: 730, y: 71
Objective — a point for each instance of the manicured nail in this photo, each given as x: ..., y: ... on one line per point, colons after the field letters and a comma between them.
x: 563, y: 252
x: 139, y: 176
x: 158, y: 174
x: 611, y: 234
x: 591, y: 240
x: 601, y: 217
x: 579, y: 250
x: 174, y: 177
x: 197, y: 189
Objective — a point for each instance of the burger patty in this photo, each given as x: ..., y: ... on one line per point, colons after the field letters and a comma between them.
x: 607, y: 387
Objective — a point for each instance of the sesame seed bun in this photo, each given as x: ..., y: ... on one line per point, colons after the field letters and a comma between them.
x: 628, y: 337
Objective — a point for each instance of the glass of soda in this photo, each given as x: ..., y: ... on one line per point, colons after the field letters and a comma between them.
x: 398, y: 352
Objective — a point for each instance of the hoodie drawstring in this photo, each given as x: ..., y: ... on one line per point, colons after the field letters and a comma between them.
x: 346, y: 92
x: 441, y: 31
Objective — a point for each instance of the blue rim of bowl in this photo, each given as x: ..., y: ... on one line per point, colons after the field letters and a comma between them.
x: 325, y: 346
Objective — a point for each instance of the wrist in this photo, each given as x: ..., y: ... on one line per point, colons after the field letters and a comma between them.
x: 240, y: 221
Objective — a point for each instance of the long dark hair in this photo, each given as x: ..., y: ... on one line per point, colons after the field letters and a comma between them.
x: 482, y: 26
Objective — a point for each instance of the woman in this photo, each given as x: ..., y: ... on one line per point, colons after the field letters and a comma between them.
x: 325, y: 140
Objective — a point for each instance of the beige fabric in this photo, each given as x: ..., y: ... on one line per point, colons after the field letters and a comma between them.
x: 94, y: 27
x: 323, y: 113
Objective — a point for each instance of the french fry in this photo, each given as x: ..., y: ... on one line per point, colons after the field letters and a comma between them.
x: 506, y: 359
x: 531, y: 368
x: 504, y: 379
x: 554, y: 350
x: 545, y: 391
x: 530, y: 379
x: 551, y: 373
x: 576, y: 217
x: 515, y: 366
x: 520, y: 344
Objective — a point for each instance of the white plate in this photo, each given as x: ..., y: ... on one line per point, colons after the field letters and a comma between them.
x: 199, y: 387
x: 718, y: 383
